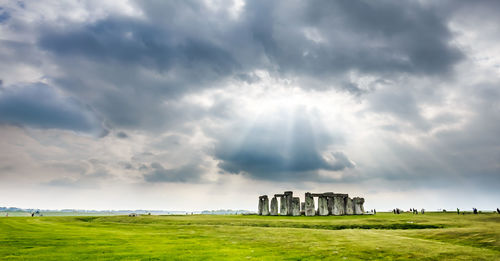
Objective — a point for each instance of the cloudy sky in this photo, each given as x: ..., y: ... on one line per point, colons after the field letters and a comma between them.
x: 192, y: 105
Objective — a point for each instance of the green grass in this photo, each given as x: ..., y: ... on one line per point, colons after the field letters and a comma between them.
x: 433, y: 236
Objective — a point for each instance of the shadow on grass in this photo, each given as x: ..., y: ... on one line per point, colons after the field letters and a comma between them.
x: 353, y: 226
x: 86, y: 219
x: 386, y: 226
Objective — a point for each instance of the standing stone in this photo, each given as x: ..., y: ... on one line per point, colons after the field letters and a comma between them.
x: 296, y: 206
x: 261, y: 205
x: 274, y: 206
x: 265, y: 205
x: 349, y: 206
x: 339, y: 201
x: 358, y: 206
x: 302, y: 208
x: 288, y: 201
x: 309, y: 205
x: 329, y: 201
x: 283, y: 209
x: 322, y: 206
x: 259, y: 210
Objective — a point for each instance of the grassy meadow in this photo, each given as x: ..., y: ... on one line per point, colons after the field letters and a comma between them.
x: 385, y: 236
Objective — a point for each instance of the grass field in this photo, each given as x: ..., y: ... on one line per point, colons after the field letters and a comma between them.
x: 433, y: 236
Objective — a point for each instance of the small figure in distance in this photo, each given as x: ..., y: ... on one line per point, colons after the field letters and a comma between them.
x: 375, y: 211
x: 458, y: 211
x: 32, y: 214
x: 422, y: 211
x: 498, y: 210
x: 475, y: 210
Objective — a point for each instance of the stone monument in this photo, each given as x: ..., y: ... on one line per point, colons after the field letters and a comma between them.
x: 329, y: 204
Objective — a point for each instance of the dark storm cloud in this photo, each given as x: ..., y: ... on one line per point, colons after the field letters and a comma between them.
x: 136, y: 65
x: 186, y: 173
x: 362, y: 35
x: 387, y: 37
x: 39, y: 105
x: 194, y: 47
x: 282, y: 149
x: 122, y: 135
x: 4, y: 15
x: 141, y: 44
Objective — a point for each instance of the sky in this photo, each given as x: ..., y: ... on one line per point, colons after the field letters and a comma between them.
x: 198, y: 105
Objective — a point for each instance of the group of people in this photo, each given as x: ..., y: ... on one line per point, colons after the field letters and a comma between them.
x: 474, y: 210
x: 413, y: 210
